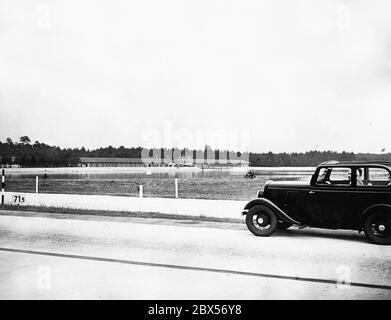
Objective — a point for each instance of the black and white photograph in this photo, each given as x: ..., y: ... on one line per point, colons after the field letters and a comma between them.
x: 179, y: 150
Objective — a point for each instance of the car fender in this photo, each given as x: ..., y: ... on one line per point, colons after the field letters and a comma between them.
x: 280, y: 214
x: 367, y: 211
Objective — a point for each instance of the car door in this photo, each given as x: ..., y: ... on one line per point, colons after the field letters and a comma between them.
x: 374, y: 190
x: 330, y: 198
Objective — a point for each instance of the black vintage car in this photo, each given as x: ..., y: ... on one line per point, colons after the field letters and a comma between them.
x: 341, y: 195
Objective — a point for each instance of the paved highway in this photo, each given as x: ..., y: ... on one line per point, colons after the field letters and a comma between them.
x: 57, y: 256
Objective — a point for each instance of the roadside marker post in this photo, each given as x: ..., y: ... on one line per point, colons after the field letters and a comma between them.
x: 176, y: 187
x: 36, y: 184
x: 140, y: 190
x: 2, y: 186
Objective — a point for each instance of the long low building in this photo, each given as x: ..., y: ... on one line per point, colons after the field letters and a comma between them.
x: 110, y: 162
x: 138, y: 162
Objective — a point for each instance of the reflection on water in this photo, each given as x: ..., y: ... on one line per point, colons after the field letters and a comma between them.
x: 127, y: 175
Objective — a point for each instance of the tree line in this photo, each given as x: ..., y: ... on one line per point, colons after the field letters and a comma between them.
x: 311, y: 158
x: 37, y: 154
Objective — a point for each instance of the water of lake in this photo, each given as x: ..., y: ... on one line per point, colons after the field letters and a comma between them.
x: 207, y: 184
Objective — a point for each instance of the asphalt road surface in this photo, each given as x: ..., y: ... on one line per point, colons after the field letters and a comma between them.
x: 57, y: 256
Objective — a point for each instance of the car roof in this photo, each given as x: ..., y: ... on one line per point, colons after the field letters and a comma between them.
x: 334, y: 163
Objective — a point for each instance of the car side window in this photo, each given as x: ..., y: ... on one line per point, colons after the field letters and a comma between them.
x: 334, y: 176
x: 341, y: 176
x: 373, y: 177
x: 322, y: 176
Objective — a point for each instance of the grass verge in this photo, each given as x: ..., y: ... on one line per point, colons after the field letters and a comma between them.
x: 108, y: 213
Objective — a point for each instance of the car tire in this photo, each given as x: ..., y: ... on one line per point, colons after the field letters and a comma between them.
x: 377, y: 227
x: 261, y: 220
x: 284, y: 225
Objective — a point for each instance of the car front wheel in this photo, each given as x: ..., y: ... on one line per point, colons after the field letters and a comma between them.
x: 261, y: 221
x: 377, y: 227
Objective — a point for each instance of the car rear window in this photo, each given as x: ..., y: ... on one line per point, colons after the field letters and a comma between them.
x: 373, y: 177
x: 379, y: 174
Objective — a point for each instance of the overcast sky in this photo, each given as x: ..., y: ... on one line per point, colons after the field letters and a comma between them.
x: 263, y: 75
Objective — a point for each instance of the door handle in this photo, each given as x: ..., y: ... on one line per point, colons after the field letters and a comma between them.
x: 312, y: 192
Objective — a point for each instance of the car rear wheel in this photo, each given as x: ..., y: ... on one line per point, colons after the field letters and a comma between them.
x: 284, y: 225
x: 377, y: 227
x: 261, y: 221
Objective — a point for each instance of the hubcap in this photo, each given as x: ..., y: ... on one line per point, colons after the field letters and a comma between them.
x: 380, y: 225
x: 261, y: 221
